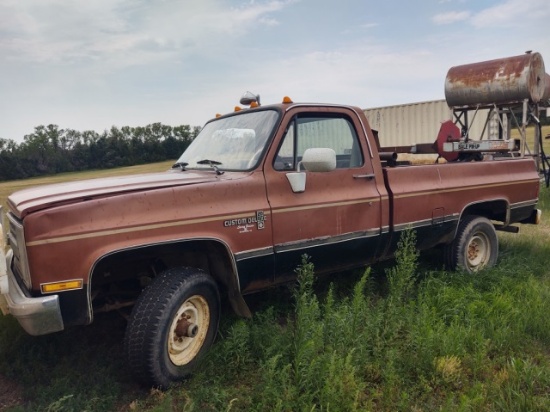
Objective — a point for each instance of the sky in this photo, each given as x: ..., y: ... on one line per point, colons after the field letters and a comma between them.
x: 91, y: 65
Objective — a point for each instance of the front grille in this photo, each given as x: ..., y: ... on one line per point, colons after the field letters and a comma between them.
x: 16, y: 239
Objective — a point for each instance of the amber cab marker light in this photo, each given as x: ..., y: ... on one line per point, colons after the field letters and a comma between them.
x: 253, y: 105
x: 218, y: 115
x: 237, y: 109
x: 61, y: 286
x: 287, y: 100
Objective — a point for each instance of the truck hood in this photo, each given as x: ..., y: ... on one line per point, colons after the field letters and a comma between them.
x: 41, y: 197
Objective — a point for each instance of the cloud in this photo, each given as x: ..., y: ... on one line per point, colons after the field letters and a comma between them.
x: 269, y: 22
x: 513, y: 13
x: 138, y: 31
x: 369, y: 25
x: 451, y: 17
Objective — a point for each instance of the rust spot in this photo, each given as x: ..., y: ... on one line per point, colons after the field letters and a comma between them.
x: 476, y: 74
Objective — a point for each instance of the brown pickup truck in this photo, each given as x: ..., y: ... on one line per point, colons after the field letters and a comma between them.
x: 255, y: 190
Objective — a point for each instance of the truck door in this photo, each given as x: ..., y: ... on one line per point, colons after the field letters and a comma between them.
x: 337, y: 219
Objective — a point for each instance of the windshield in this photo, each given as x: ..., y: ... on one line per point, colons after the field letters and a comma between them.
x: 231, y: 143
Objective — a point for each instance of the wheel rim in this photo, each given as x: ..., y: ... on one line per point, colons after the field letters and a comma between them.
x: 478, y: 251
x: 188, y: 330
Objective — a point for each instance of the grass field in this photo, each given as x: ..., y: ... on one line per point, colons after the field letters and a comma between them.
x: 403, y: 336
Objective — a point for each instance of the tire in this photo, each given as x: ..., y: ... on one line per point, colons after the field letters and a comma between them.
x: 172, y: 325
x: 475, y: 246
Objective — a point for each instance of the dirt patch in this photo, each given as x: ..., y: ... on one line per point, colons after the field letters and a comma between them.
x: 11, y: 394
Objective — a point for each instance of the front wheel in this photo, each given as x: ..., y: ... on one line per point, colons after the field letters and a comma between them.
x: 173, y: 323
x: 475, y: 246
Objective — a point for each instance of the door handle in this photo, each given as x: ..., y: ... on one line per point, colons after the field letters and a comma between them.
x: 370, y: 176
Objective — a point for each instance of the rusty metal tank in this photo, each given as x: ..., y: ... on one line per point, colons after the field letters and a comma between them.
x: 500, y: 81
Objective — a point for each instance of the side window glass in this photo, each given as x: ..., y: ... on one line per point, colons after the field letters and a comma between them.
x: 286, y: 157
x: 334, y: 132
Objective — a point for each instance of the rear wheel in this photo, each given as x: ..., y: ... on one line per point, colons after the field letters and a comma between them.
x: 475, y: 246
x: 173, y: 323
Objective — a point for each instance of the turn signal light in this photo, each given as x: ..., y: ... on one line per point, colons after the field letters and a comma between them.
x: 61, y: 286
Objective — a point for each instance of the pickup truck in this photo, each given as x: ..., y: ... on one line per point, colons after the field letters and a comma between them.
x: 256, y: 189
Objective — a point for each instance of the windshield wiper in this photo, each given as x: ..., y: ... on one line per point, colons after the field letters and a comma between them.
x: 181, y: 165
x: 213, y: 164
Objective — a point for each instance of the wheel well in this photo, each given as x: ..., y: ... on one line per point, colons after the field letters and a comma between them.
x: 493, y: 210
x: 118, y: 278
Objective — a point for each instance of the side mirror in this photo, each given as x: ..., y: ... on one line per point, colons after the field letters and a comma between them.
x: 314, y: 160
x: 319, y: 160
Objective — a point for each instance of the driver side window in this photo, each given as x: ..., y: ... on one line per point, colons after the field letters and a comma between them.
x: 319, y: 131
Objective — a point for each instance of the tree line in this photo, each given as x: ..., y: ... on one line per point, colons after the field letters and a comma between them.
x: 50, y: 150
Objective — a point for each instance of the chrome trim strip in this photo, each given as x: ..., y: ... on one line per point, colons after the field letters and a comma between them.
x: 250, y: 254
x: 425, y: 222
x: 523, y: 204
x: 325, y: 240
x: 412, y: 225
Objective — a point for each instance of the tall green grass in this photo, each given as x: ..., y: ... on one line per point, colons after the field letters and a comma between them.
x: 405, y: 339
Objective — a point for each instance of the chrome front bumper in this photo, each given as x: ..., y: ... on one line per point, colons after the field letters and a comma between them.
x: 38, y: 316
